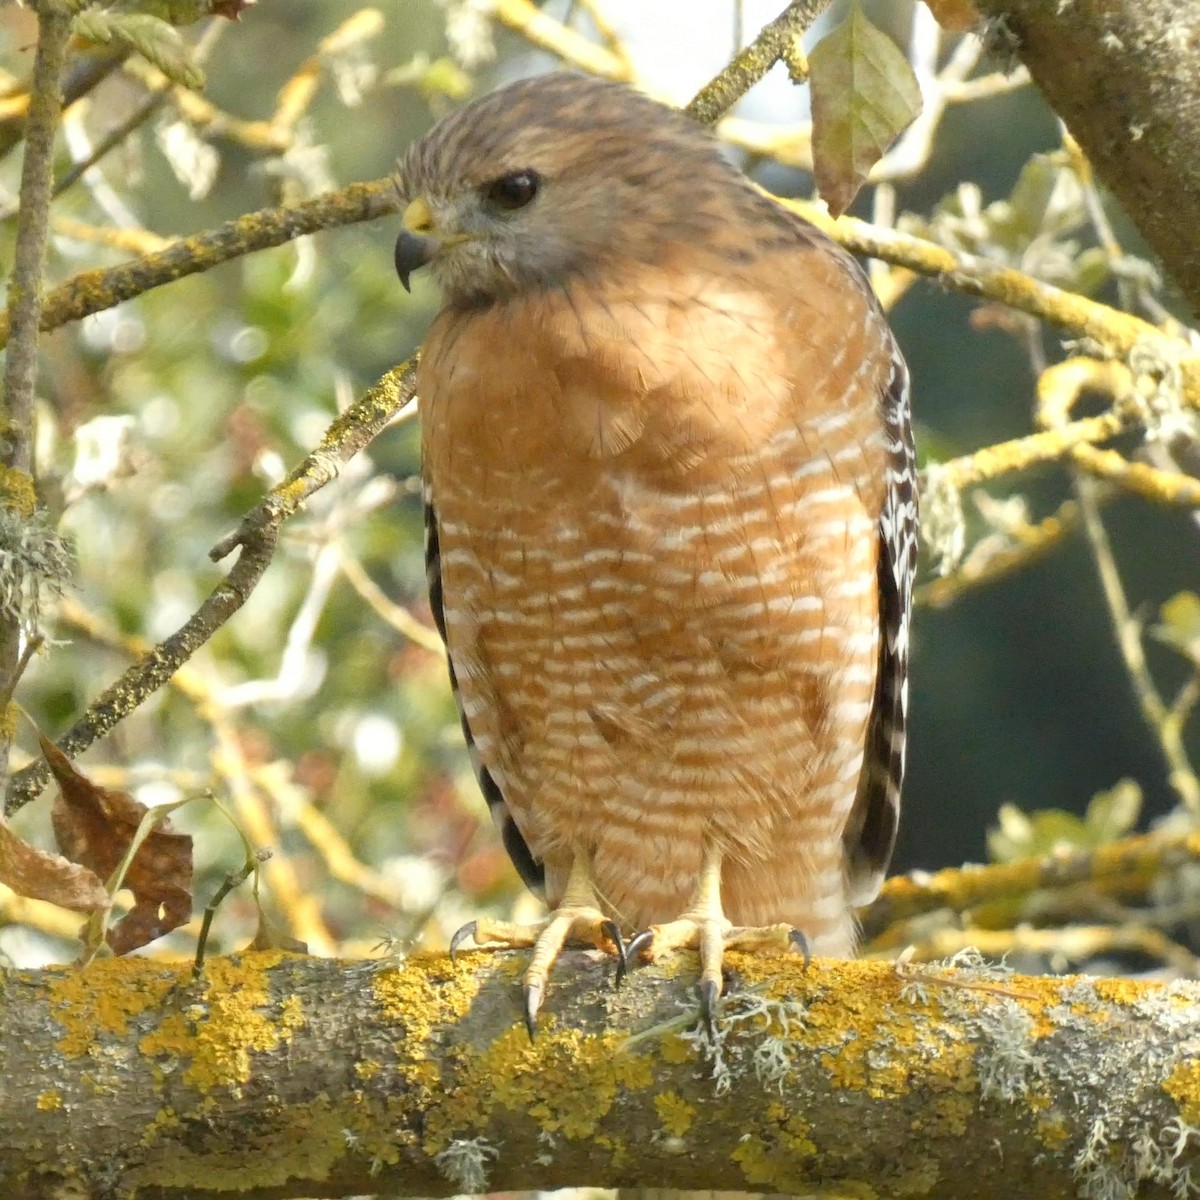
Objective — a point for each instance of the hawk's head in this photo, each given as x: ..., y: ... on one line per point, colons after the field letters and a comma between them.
x: 550, y: 178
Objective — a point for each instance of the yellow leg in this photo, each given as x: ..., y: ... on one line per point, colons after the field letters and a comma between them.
x: 578, y: 918
x: 704, y: 927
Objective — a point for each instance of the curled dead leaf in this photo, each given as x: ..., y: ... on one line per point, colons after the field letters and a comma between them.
x: 43, y: 876
x: 95, y: 827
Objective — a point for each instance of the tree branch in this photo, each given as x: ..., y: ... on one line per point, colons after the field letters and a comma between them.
x: 774, y: 42
x: 1128, y: 865
x: 17, y: 427
x: 93, y: 291
x: 1124, y: 76
x: 276, y: 1076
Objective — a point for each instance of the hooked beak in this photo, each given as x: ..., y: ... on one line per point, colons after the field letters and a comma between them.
x: 416, y: 244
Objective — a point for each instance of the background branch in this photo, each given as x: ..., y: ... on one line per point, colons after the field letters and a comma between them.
x: 1124, y: 76
x: 17, y: 426
x: 1129, y: 864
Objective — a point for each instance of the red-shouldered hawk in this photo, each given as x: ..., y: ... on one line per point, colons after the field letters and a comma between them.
x: 671, y: 527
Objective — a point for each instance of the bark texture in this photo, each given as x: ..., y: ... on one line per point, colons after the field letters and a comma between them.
x: 285, y: 1076
x: 1125, y: 77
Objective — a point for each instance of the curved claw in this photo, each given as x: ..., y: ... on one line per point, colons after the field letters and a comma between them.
x: 533, y: 1001
x: 612, y: 932
x: 461, y: 935
x: 636, y: 945
x: 797, y: 939
x: 709, y: 992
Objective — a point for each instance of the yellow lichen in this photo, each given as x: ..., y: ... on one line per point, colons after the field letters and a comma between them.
x: 675, y: 1113
x: 568, y: 1084
x: 17, y: 491
x: 228, y: 1023
x: 765, y: 1167
x: 1183, y: 1086
x: 291, y: 1014
x: 165, y: 1119
x: 674, y: 1050
x: 1119, y: 991
x: 794, y: 1130
x: 1052, y: 1130
x: 314, y: 1143
x: 48, y: 1101
x: 90, y: 1004
x: 418, y: 1001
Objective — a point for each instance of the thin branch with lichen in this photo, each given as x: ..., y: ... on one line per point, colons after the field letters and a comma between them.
x: 775, y: 42
x: 94, y: 291
x: 1025, y: 545
x: 1126, y: 866
x: 23, y: 560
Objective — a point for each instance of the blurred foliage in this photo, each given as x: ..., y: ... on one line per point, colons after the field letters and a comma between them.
x: 332, y: 736
x: 1110, y: 815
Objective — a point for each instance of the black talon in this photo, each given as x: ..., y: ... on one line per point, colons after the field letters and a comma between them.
x: 611, y: 931
x: 636, y: 945
x: 533, y: 1001
x: 709, y: 991
x: 797, y: 939
x: 467, y: 931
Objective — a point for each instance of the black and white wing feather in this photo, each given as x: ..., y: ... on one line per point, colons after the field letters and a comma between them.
x: 871, y: 830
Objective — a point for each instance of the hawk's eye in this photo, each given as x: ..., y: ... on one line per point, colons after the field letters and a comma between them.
x: 512, y: 191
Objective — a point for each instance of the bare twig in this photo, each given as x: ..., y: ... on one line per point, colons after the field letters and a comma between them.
x: 25, y: 283
x: 1180, y: 772
x: 544, y: 31
x: 400, y: 619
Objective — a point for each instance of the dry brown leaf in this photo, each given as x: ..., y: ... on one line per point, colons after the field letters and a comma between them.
x: 955, y: 16
x: 95, y: 826
x: 43, y: 876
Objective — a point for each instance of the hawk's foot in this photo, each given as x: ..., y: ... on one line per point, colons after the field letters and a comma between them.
x: 711, y: 936
x: 575, y: 920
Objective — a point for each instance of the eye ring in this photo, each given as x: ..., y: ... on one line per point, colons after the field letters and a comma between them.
x: 512, y: 191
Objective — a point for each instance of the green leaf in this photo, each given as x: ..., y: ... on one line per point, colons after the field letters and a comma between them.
x: 1114, y: 813
x: 864, y: 94
x: 1180, y: 628
x: 1025, y: 835
x: 152, y: 38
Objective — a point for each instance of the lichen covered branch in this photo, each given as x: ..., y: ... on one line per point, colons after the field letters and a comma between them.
x: 94, y: 291
x: 1127, y: 866
x: 282, y: 1076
